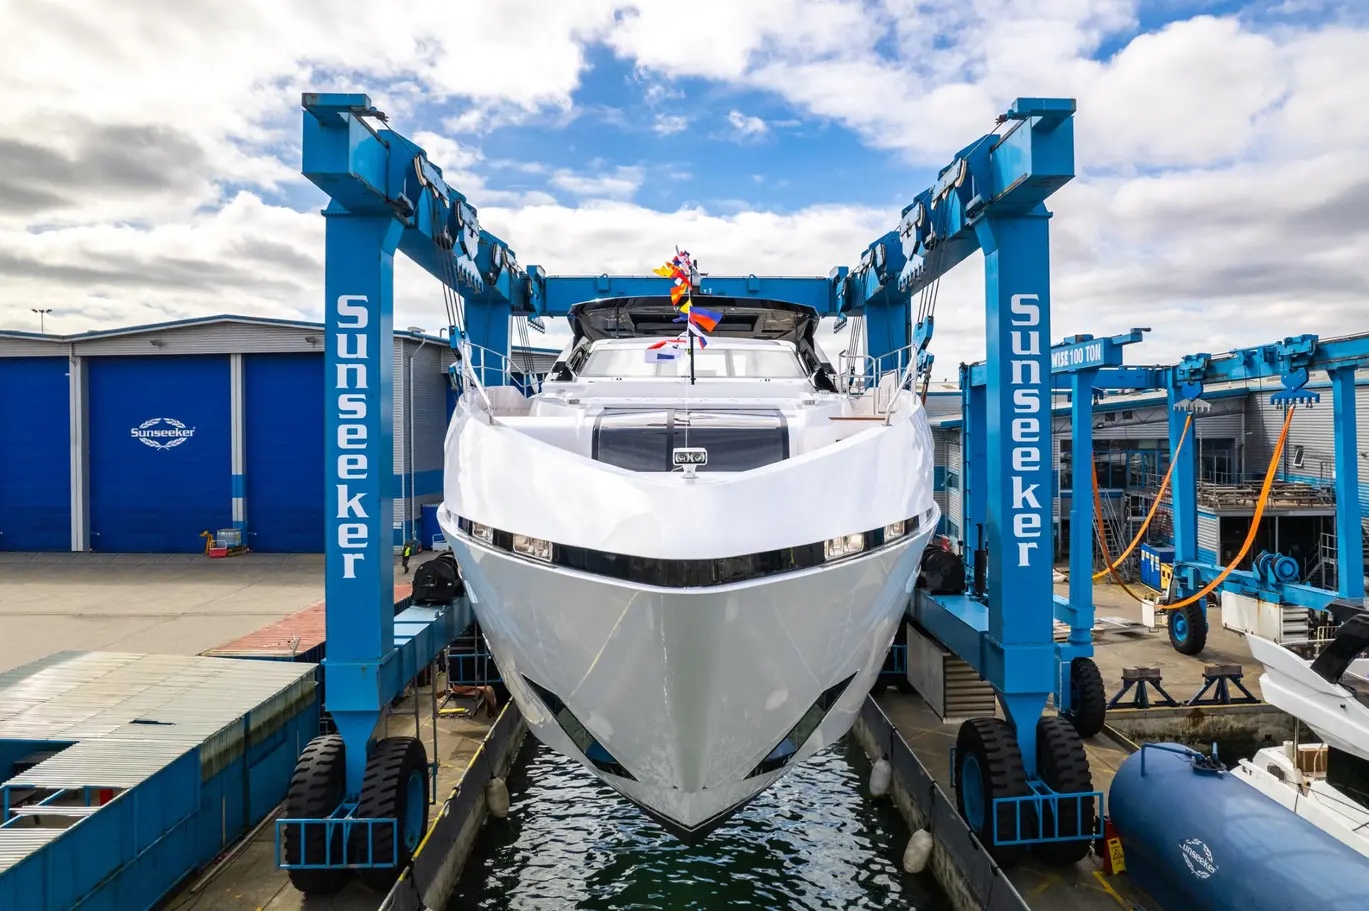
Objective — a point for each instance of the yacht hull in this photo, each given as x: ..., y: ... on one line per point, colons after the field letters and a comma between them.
x: 687, y: 700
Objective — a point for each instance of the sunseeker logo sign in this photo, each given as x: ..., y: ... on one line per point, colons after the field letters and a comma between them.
x: 162, y: 433
x: 351, y: 530
x: 1028, y: 454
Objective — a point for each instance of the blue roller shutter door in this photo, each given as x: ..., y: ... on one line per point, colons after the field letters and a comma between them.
x: 161, y: 452
x: 35, y: 454
x: 285, y: 478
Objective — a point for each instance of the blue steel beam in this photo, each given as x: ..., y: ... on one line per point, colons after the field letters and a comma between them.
x: 1084, y: 352
x: 564, y: 291
x: 378, y: 172
x: 1000, y: 176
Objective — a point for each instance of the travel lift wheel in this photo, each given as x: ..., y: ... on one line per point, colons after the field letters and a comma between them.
x: 1088, y: 699
x: 988, y: 765
x: 1064, y: 767
x: 396, y: 787
x: 316, y: 789
x: 1188, y: 629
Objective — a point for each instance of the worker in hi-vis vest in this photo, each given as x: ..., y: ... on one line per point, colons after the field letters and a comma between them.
x: 405, y: 554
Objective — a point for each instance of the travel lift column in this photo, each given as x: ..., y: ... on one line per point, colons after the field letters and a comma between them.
x: 385, y: 197
x: 992, y: 198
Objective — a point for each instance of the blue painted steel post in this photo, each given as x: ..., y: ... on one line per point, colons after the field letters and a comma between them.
x: 1081, y: 506
x: 1080, y: 528
x: 1021, y: 645
x: 1183, y: 485
x: 973, y: 457
x: 359, y: 584
x: 1349, y: 527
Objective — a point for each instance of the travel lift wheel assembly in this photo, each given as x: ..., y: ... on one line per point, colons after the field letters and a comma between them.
x: 395, y: 787
x: 316, y: 790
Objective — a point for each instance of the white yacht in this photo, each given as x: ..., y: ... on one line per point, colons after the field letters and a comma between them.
x: 689, y: 586
x: 1325, y: 782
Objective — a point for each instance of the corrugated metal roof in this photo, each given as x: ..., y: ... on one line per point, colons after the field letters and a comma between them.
x: 16, y: 844
x: 130, y: 717
x: 150, y: 706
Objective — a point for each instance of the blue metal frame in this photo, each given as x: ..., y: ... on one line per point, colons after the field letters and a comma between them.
x: 1042, y: 797
x: 1089, y: 364
x: 991, y: 198
x: 1039, y: 800
x: 1292, y: 359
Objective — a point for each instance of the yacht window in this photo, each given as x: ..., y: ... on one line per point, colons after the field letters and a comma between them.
x: 637, y: 441
x: 735, y: 440
x: 770, y: 363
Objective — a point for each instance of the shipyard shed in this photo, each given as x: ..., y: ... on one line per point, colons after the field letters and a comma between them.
x: 140, y: 440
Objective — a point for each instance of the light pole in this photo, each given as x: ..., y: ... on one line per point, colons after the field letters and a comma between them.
x: 41, y: 323
x: 415, y: 527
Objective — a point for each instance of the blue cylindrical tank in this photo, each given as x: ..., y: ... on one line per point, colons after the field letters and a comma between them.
x: 1204, y: 841
x: 432, y: 532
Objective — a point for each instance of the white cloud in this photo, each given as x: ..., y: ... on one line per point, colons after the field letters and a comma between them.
x: 621, y: 183
x: 1222, y: 166
x: 669, y: 124
x: 746, y: 125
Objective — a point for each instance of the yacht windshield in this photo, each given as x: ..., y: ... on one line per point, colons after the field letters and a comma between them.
x: 769, y: 363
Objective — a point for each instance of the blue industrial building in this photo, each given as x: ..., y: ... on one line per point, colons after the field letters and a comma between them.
x: 138, y: 440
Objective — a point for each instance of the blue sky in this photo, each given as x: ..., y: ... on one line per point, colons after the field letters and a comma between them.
x: 1220, y: 147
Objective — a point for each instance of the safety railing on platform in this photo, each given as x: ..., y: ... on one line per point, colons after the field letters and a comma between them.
x: 863, y: 374
x: 338, y: 839
x: 1082, y: 814
x: 482, y: 367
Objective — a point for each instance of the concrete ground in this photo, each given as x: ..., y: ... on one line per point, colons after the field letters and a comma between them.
x: 1085, y: 887
x: 250, y: 880
x: 1182, y: 674
x: 176, y: 604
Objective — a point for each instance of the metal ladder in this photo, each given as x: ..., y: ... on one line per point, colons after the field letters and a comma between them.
x: 1110, y: 531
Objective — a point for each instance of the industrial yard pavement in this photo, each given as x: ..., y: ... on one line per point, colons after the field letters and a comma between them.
x: 176, y: 604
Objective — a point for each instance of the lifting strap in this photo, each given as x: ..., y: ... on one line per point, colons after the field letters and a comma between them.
x: 1254, y: 521
x: 1249, y: 538
x: 1154, y: 507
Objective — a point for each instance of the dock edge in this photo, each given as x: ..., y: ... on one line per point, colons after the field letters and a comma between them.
x: 961, y: 866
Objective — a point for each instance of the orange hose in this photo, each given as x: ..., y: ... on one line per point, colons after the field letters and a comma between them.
x: 1254, y: 522
x: 1154, y: 507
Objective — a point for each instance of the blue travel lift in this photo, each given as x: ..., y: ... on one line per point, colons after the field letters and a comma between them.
x: 351, y: 793
x: 1272, y: 578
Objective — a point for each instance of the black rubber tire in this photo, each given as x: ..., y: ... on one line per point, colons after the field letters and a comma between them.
x: 1064, y: 767
x: 316, y: 789
x: 1194, y: 628
x: 1088, y: 699
x: 993, y: 743
x: 388, y: 768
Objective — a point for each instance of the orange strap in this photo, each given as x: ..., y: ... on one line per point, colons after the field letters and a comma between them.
x: 1254, y: 522
x: 1154, y: 507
